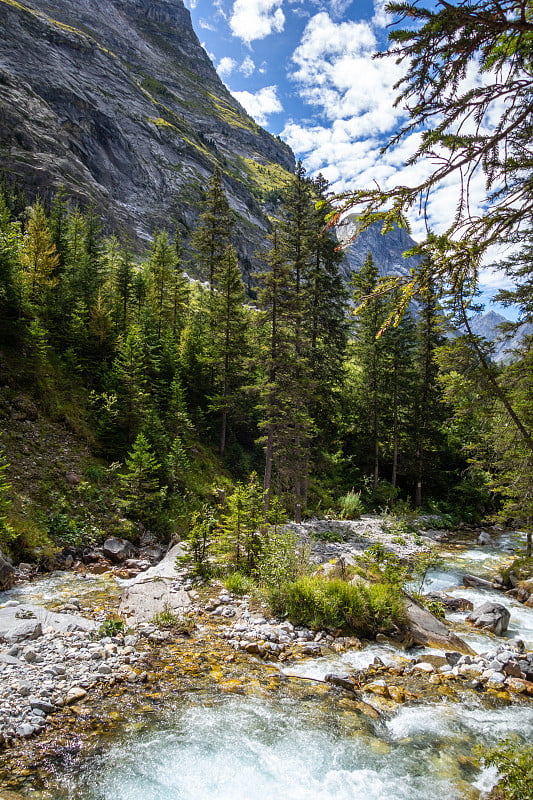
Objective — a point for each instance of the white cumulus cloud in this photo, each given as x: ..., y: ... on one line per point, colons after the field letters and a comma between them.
x: 226, y: 66
x: 381, y: 19
x: 353, y: 95
x: 260, y: 104
x: 256, y: 19
x: 247, y: 67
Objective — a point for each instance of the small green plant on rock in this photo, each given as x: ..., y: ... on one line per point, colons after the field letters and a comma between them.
x: 434, y: 607
x: 110, y: 627
x: 166, y: 617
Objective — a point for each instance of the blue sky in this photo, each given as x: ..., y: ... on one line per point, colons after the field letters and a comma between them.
x: 304, y: 70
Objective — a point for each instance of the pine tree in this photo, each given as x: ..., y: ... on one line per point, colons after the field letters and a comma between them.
x: 428, y: 410
x: 369, y: 351
x: 285, y: 386
x: 304, y: 302
x: 140, y: 484
x: 241, y: 527
x: 213, y: 233
x: 10, y: 245
x: 38, y: 258
x: 179, y: 292
x: 228, y: 347
x: 161, y: 275
x: 130, y: 381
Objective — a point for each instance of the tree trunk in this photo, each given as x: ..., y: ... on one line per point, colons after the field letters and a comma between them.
x: 268, y: 468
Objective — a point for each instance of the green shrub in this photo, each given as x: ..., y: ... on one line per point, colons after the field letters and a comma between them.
x: 283, y: 558
x: 514, y: 761
x: 321, y: 603
x: 337, y: 535
x: 237, y: 583
x: 110, y: 627
x: 351, y: 505
x: 67, y: 531
x: 434, y: 607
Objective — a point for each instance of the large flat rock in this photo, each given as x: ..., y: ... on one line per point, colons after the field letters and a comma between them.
x: 429, y: 631
x: 155, y: 590
x: 14, y: 621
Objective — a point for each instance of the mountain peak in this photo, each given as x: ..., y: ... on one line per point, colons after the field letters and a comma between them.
x: 117, y: 101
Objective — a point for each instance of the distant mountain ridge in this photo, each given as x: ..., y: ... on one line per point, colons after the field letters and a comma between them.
x: 117, y: 101
x: 387, y: 251
x: 488, y: 324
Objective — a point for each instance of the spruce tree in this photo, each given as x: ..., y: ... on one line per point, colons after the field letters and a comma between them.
x: 213, y: 233
x: 38, y: 258
x: 428, y: 409
x: 161, y: 272
x: 140, y: 483
x: 10, y: 245
x: 241, y: 529
x: 228, y: 346
x: 369, y: 352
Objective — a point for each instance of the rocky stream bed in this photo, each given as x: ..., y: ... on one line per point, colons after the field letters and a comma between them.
x: 70, y: 696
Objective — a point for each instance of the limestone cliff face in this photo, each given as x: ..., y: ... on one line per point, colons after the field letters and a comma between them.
x: 386, y: 250
x: 117, y: 101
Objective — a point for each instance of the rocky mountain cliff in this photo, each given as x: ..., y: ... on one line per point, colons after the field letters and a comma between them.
x: 117, y: 101
x: 387, y: 250
x: 488, y: 326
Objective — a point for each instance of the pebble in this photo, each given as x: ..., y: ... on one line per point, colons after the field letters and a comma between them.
x: 39, y: 676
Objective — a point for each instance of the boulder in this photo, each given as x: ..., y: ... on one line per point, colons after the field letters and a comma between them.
x: 427, y: 630
x: 478, y: 583
x: 450, y: 602
x: 24, y: 408
x: 484, y: 538
x: 7, y: 575
x: 21, y: 630
x: 118, y: 550
x: 490, y: 616
x: 155, y: 590
x: 13, y: 616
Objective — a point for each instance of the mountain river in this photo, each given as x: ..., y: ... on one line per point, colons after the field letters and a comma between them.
x: 295, y: 739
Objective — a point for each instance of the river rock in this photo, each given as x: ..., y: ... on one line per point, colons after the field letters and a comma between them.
x: 18, y: 630
x: 155, y: 590
x: 397, y: 693
x: 484, y: 539
x: 426, y: 629
x: 10, y: 618
x: 117, y: 550
x: 7, y: 574
x: 41, y: 704
x: 344, y: 681
x: 490, y: 616
x: 477, y: 583
x: 451, y: 603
